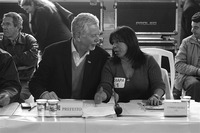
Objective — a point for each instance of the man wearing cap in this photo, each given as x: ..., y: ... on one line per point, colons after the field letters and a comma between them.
x: 187, y: 62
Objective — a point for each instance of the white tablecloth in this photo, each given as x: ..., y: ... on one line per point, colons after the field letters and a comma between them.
x: 136, y: 120
x: 133, y: 119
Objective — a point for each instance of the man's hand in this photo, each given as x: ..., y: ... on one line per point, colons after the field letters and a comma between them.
x: 100, y: 96
x: 49, y: 95
x: 4, y: 99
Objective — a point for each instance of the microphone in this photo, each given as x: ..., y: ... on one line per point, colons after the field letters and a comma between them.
x: 117, y: 108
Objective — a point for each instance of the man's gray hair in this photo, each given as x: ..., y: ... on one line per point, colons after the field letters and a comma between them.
x: 81, y: 20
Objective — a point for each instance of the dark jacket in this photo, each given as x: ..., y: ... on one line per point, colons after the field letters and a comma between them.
x: 25, y: 54
x: 9, y: 79
x: 55, y: 72
x: 48, y: 27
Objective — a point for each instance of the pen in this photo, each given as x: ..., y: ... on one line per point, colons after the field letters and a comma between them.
x: 32, y: 108
x: 142, y: 106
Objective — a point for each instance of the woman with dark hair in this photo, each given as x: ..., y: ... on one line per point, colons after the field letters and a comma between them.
x: 132, y: 74
x: 46, y: 23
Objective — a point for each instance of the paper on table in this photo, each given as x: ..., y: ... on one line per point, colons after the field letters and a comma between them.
x: 89, y: 110
x: 26, y: 112
x: 159, y: 107
x: 8, y: 109
x: 100, y: 110
x: 137, y: 108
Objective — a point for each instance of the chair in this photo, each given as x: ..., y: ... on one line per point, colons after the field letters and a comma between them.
x: 165, y: 77
x: 157, y: 53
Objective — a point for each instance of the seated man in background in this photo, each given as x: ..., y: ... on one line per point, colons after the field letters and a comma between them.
x: 23, y: 47
x: 190, y: 7
x: 71, y: 69
x: 187, y: 62
x: 9, y: 80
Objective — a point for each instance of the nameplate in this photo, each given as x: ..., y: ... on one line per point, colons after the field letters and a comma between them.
x: 175, y: 108
x: 70, y: 108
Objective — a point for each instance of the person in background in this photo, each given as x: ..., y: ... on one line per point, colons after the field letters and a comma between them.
x: 10, y: 86
x: 26, y: 28
x: 23, y: 47
x: 131, y: 73
x: 71, y: 69
x: 46, y: 24
x: 187, y: 62
x: 190, y: 7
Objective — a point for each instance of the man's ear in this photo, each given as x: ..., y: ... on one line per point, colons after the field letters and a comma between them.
x: 78, y: 36
x: 20, y: 28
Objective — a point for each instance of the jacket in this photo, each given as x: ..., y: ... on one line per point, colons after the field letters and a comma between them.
x: 186, y: 60
x: 9, y: 79
x: 24, y: 52
x: 55, y: 72
x: 48, y: 27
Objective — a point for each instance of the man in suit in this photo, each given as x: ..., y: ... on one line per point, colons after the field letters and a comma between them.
x: 71, y: 69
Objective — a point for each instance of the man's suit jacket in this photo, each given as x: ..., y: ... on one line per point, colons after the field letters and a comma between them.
x: 55, y: 72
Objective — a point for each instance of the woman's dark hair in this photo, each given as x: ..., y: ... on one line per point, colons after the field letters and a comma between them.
x: 127, y: 35
x: 38, y: 3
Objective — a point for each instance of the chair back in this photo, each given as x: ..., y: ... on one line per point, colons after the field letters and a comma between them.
x: 157, y: 53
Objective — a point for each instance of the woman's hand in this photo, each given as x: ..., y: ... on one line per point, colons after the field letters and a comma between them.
x: 4, y: 99
x: 154, y: 100
x: 100, y: 96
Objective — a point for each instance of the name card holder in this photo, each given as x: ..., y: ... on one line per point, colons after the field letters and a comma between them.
x: 175, y: 108
x: 70, y: 108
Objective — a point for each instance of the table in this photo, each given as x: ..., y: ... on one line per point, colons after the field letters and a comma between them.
x: 43, y: 125
x: 151, y: 121
x: 133, y: 119
x: 24, y: 121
